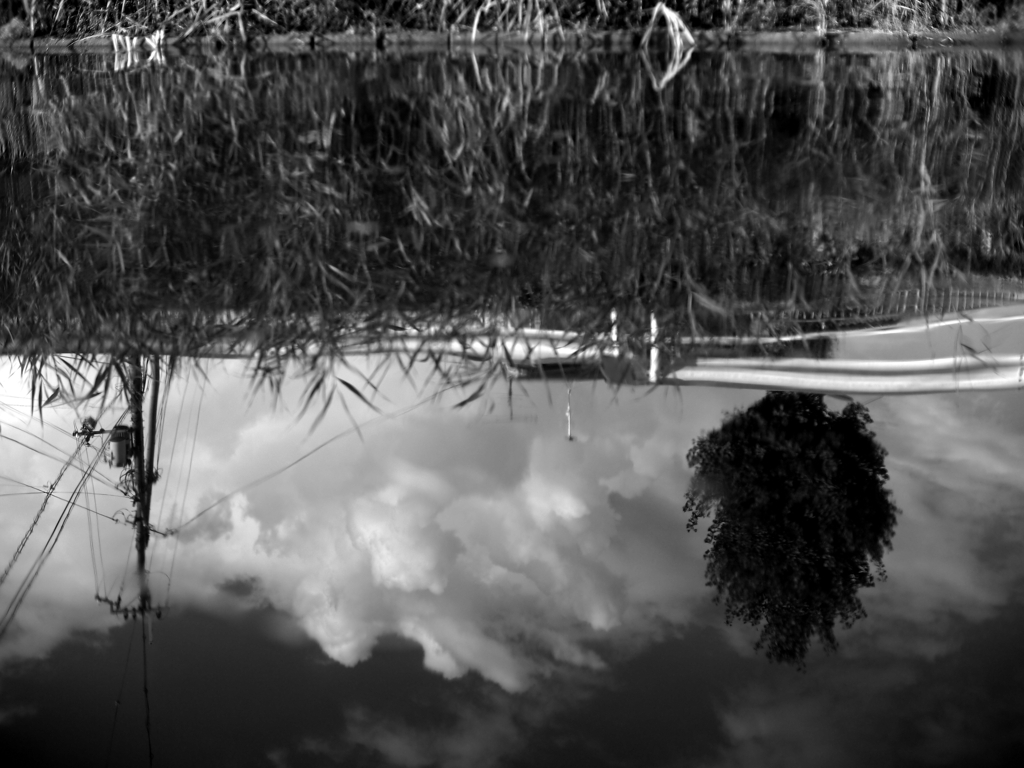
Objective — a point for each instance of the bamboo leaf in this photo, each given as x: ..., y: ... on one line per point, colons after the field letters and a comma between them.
x: 357, y: 393
x: 477, y: 394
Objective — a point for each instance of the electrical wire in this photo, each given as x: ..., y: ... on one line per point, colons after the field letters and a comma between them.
x: 86, y: 507
x: 19, y: 596
x: 40, y: 438
x: 188, y: 481
x: 356, y: 429
x: 13, y: 410
x: 99, y: 574
x: 174, y: 445
x: 39, y: 514
x: 103, y: 478
x: 92, y: 554
x: 163, y: 412
x: 36, y: 491
x: 23, y: 589
x: 99, y: 547
x: 29, y: 447
x: 124, y: 576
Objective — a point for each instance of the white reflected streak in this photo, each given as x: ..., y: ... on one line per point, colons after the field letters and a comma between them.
x: 881, y: 367
x: 844, y: 383
x: 927, y: 324
x: 917, y: 326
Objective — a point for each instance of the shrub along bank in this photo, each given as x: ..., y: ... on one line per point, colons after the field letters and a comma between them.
x: 77, y: 18
x: 277, y: 190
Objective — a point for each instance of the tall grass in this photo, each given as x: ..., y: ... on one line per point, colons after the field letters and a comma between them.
x: 240, y: 18
x: 292, y: 202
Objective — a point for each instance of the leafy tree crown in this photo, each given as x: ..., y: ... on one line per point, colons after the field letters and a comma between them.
x: 800, y: 518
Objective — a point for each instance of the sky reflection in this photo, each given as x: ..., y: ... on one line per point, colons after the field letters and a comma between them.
x: 495, y: 593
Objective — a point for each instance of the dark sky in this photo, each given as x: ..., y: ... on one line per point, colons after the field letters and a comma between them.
x: 229, y: 690
x: 225, y: 691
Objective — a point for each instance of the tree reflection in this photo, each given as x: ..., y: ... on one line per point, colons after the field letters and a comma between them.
x: 800, y: 518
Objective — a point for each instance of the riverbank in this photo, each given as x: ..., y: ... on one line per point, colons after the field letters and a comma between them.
x: 433, y: 24
x: 848, y: 41
x: 283, y: 187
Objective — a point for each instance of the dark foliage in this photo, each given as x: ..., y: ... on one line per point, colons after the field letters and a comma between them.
x: 226, y: 18
x: 284, y: 203
x: 801, y: 518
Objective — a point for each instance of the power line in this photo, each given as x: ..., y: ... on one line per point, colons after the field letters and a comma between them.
x: 188, y: 481
x: 40, y: 438
x: 163, y: 413
x: 101, y: 476
x: 36, y: 491
x: 124, y: 576
x: 39, y: 514
x: 91, y: 488
x: 345, y: 433
x: 174, y: 445
x: 34, y: 450
x: 92, y: 553
x: 29, y: 417
x: 23, y: 589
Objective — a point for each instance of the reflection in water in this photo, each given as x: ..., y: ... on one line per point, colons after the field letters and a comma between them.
x: 533, y: 572
x: 310, y: 197
x: 455, y: 583
x: 800, y: 514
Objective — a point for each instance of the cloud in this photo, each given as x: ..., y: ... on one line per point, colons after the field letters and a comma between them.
x: 498, y: 551
x: 60, y: 600
x: 504, y: 549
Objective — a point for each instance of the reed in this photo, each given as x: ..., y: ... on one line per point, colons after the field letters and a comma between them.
x: 237, y: 19
x: 294, y: 202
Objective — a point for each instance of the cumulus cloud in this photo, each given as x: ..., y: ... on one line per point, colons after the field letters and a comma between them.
x: 504, y: 549
x: 500, y: 551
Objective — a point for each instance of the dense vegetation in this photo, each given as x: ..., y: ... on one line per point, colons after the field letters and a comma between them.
x: 284, y: 201
x: 239, y: 17
x: 800, y: 518
x: 334, y: 188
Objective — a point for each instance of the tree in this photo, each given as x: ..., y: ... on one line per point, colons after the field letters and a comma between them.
x: 801, y: 518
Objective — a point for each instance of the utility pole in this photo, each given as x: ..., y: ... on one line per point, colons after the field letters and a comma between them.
x: 143, y: 474
x: 140, y: 501
x: 143, y: 449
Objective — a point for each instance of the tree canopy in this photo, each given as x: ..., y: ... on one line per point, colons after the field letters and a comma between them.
x: 801, y: 518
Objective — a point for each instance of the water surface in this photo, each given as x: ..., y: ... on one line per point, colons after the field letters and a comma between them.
x: 462, y: 553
